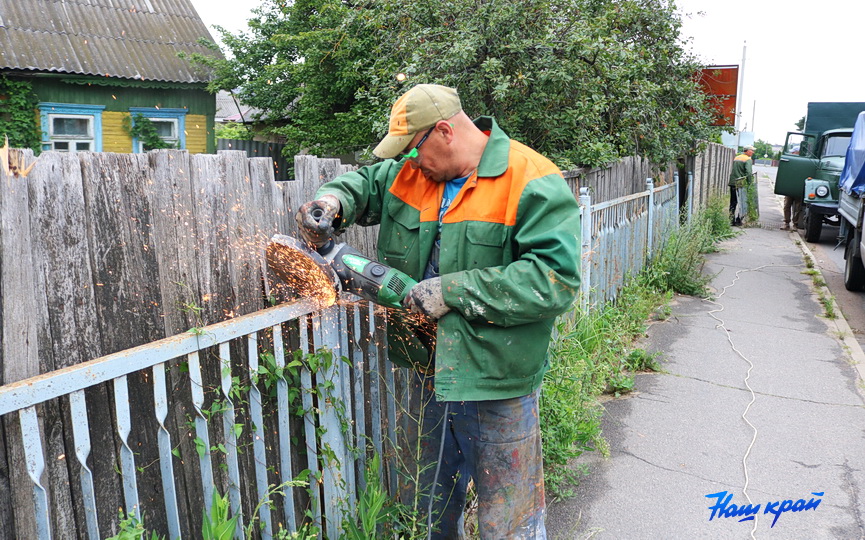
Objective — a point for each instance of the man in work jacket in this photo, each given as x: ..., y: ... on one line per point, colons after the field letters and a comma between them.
x: 740, y: 177
x: 491, y: 230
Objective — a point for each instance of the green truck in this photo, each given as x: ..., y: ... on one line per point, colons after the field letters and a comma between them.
x: 811, y: 163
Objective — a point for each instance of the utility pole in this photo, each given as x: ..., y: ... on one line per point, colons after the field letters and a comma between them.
x: 753, y: 115
x: 739, y: 94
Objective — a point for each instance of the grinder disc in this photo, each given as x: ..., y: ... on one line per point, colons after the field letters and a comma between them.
x: 302, y: 269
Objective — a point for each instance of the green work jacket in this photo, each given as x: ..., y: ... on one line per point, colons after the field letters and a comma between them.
x: 509, y: 262
x: 742, y: 171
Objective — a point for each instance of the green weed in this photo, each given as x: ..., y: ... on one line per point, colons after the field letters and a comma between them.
x: 218, y: 526
x: 828, y: 306
x: 640, y: 360
x: 590, y: 357
x: 751, y: 196
x: 374, y: 508
x: 716, y: 216
x: 131, y: 528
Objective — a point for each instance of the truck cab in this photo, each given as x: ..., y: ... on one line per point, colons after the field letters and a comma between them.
x: 809, y: 170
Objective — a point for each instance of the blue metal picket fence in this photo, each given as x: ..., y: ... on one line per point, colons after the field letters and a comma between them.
x: 340, y: 468
x: 620, y: 236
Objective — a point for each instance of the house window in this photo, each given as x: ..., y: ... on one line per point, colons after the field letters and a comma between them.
x: 170, y: 125
x: 71, y: 128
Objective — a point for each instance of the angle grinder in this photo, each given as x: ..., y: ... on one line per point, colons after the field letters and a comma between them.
x: 340, y: 265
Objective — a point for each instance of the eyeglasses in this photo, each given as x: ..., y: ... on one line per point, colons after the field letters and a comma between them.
x: 413, y: 153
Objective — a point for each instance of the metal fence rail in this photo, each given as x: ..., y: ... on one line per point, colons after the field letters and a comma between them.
x: 332, y: 454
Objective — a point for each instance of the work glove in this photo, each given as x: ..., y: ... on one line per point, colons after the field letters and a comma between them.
x: 315, y: 219
x: 427, y: 298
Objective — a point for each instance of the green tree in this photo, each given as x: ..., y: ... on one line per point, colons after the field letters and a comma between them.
x: 763, y: 149
x: 582, y: 81
x: 800, y: 125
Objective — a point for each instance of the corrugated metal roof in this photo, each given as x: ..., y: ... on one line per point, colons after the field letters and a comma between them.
x: 132, y: 39
x: 229, y: 109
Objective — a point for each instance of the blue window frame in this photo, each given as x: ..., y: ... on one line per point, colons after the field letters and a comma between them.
x: 169, y: 123
x: 69, y: 127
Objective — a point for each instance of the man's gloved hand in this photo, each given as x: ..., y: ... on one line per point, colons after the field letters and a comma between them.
x: 315, y: 219
x: 426, y: 297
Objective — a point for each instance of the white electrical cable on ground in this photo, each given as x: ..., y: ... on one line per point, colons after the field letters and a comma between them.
x: 722, y: 325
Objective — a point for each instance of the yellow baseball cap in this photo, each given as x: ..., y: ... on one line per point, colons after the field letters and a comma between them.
x: 418, y: 109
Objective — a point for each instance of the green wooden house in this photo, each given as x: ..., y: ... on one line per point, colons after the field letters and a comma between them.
x: 95, y: 65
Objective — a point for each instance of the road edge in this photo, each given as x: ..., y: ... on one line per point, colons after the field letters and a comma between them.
x: 843, y: 331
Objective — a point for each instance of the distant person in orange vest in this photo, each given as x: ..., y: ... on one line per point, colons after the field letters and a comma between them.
x: 740, y: 177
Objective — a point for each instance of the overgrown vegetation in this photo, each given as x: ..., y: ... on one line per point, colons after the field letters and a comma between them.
x: 143, y: 129
x: 233, y: 130
x: 753, y: 214
x: 132, y: 528
x: 18, y: 115
x: 679, y: 266
x: 595, y: 353
x: 581, y: 81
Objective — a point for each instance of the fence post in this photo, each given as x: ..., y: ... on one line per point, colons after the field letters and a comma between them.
x: 650, y: 187
x: 690, y: 196
x: 586, y: 253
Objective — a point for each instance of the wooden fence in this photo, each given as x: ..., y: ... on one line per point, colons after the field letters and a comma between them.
x: 711, y: 172
x: 253, y: 149
x: 103, y: 252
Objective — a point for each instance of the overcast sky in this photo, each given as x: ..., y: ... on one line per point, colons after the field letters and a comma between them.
x: 796, y: 51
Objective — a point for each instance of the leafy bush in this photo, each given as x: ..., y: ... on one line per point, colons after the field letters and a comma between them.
x: 233, y: 130
x: 143, y: 129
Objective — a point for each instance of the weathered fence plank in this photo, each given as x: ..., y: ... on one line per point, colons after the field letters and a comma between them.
x: 127, y: 299
x: 67, y: 303
x: 19, y: 353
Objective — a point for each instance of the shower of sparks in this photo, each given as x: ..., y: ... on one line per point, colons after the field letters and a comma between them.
x: 302, y: 275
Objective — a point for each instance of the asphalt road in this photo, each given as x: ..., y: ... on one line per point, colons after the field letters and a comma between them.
x: 829, y: 258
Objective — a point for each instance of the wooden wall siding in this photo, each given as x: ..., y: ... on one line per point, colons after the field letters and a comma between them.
x: 100, y: 252
x: 121, y: 98
x: 711, y: 173
x: 196, y: 133
x: 115, y: 138
x: 122, y: 249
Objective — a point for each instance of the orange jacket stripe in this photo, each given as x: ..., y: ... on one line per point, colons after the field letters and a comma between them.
x: 492, y: 200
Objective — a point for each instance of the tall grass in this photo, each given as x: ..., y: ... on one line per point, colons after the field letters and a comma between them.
x: 595, y: 354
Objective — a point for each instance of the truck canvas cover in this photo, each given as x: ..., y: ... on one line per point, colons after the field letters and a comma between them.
x: 853, y: 175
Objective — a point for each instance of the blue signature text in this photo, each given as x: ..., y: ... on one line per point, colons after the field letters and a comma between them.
x: 723, y: 508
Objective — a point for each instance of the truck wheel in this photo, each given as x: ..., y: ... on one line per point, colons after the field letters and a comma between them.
x: 854, y: 272
x: 813, y: 225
